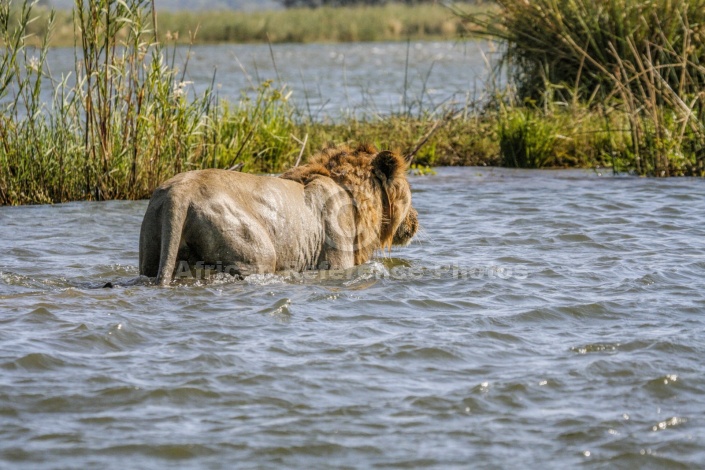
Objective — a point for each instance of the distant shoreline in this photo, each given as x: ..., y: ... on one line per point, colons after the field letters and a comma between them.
x: 393, y: 22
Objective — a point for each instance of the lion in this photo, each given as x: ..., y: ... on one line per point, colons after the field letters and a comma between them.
x: 332, y: 213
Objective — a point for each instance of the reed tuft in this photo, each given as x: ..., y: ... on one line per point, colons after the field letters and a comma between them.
x: 127, y: 119
x: 641, y: 61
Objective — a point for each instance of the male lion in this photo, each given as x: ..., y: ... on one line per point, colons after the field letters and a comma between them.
x: 332, y: 213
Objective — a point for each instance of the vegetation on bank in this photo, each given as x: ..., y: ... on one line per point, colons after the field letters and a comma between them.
x: 640, y: 65
x: 391, y: 22
x: 127, y: 124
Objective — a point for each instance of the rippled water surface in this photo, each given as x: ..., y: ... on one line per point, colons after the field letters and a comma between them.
x: 328, y: 80
x: 552, y: 318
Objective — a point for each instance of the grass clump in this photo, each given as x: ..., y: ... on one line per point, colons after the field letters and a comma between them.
x: 126, y: 120
x: 562, y: 137
x: 117, y: 130
x: 259, y: 134
x: 588, y: 44
x: 527, y: 141
x: 641, y: 61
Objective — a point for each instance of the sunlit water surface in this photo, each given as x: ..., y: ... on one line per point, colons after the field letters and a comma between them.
x: 541, y: 318
x: 325, y: 80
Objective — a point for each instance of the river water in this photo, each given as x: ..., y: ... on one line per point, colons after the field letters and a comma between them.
x: 550, y: 318
x: 328, y: 80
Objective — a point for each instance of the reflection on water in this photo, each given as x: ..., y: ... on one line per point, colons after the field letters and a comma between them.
x: 540, y: 318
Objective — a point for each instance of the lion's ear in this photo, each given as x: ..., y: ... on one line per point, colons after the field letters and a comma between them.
x: 387, y: 165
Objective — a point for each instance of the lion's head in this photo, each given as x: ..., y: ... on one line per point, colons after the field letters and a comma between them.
x: 376, y: 182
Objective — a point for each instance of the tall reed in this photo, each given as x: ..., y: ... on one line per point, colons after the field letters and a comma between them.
x: 126, y: 120
x: 643, y: 59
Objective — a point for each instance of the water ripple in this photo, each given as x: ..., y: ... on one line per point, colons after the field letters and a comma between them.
x: 546, y: 317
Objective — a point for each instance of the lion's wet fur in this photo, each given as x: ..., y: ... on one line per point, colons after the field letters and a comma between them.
x: 336, y: 210
x: 375, y: 181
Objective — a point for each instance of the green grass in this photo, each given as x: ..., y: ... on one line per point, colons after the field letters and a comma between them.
x: 594, y: 44
x: 128, y: 125
x: 391, y: 22
x: 643, y: 61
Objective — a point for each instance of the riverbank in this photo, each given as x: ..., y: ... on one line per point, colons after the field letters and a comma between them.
x: 123, y: 146
x: 130, y: 121
x: 392, y: 22
x: 47, y: 161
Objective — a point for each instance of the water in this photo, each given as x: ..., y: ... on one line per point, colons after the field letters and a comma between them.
x: 331, y: 80
x: 549, y: 318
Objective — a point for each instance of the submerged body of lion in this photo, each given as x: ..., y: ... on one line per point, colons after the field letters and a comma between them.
x: 333, y: 213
